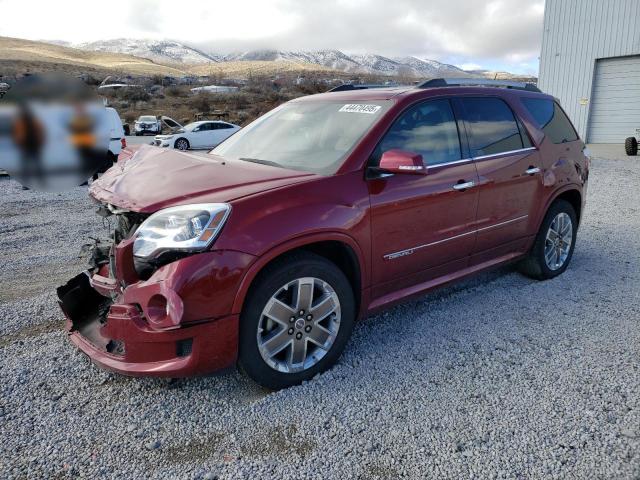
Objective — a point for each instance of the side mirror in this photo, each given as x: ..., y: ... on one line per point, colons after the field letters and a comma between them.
x: 401, y: 161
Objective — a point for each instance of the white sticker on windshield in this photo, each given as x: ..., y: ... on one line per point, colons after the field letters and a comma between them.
x: 360, y: 108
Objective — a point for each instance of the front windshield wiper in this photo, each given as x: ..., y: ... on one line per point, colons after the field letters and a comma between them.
x: 262, y: 162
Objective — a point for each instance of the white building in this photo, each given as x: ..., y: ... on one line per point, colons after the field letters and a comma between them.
x: 214, y: 89
x: 590, y: 60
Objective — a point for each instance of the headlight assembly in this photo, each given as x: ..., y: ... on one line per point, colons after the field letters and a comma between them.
x: 187, y: 228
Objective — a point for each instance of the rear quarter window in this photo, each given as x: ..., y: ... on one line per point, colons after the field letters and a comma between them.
x: 550, y: 118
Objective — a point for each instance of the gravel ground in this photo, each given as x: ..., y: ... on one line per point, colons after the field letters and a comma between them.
x: 500, y: 377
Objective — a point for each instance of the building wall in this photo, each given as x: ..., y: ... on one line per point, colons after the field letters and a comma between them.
x: 576, y: 33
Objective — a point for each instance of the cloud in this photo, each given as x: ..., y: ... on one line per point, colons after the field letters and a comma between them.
x: 466, y: 31
x: 470, y: 66
x: 495, y: 32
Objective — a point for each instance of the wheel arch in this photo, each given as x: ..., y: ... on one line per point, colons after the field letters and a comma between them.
x: 574, y: 197
x: 571, y: 193
x: 339, y: 249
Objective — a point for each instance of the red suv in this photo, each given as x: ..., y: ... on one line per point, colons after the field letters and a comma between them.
x: 324, y: 210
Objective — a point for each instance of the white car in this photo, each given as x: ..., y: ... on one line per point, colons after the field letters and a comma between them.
x: 204, y: 134
x: 147, y: 124
x: 151, y: 124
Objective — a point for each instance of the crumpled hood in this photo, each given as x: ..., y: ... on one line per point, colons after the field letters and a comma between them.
x: 155, y: 178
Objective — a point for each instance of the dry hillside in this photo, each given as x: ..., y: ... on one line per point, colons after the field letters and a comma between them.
x: 48, y: 55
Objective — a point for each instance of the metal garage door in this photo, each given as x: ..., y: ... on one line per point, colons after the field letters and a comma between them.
x: 615, y: 100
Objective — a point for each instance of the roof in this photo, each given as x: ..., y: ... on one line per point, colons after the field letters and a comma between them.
x: 380, y: 94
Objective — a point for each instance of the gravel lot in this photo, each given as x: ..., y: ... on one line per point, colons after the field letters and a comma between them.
x: 500, y: 377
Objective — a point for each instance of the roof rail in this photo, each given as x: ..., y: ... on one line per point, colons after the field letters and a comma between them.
x: 349, y: 86
x: 478, y: 82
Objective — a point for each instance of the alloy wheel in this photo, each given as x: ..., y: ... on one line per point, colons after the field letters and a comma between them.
x: 181, y: 145
x: 558, y: 241
x: 299, y: 325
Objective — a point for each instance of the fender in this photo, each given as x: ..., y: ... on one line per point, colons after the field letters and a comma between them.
x: 552, y: 198
x: 297, y: 242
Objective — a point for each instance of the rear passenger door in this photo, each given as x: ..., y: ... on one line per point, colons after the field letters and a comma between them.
x: 510, y: 177
x: 218, y: 133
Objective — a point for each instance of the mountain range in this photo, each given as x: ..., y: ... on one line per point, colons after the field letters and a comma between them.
x: 172, y: 52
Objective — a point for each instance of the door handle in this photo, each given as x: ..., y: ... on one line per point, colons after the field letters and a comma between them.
x: 461, y: 186
x: 532, y: 170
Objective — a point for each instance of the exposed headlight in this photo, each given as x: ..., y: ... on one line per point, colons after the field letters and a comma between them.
x: 188, y: 228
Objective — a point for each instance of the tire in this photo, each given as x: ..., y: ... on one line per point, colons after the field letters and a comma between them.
x: 535, y: 265
x: 282, y: 371
x: 631, y: 146
x: 126, y: 129
x: 181, y: 144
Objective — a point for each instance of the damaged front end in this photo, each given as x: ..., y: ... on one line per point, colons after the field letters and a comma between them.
x: 129, y: 316
x: 87, y: 299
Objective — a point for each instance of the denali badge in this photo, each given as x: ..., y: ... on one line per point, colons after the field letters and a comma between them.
x: 392, y: 256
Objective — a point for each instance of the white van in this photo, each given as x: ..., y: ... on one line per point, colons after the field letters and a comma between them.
x: 117, y: 139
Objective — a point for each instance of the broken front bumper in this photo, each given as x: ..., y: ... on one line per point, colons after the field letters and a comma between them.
x: 169, y: 325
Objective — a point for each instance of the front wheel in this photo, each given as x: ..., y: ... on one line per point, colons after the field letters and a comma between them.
x: 298, y: 317
x: 554, y: 244
x: 631, y: 146
x: 182, y: 144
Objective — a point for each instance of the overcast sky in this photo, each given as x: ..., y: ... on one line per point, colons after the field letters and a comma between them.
x: 500, y: 34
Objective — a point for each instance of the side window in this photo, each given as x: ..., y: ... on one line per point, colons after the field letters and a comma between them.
x: 493, y: 127
x: 550, y: 119
x: 429, y: 129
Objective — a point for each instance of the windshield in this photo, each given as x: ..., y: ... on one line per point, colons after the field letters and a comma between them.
x: 147, y: 118
x: 309, y: 136
x: 191, y: 126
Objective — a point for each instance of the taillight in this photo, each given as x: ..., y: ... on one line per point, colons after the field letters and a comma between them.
x: 123, y: 141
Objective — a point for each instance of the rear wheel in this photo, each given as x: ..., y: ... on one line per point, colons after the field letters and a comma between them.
x: 296, y: 321
x: 554, y: 244
x: 182, y: 144
x: 631, y: 146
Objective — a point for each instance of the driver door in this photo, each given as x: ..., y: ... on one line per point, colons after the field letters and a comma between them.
x: 423, y: 226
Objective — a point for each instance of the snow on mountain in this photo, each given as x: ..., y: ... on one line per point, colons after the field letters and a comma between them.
x: 355, y: 63
x: 371, y: 63
x: 431, y: 68
x: 164, y: 51
x: 326, y: 58
x: 156, y: 50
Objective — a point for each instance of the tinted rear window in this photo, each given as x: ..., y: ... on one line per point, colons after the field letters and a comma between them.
x: 550, y: 119
x: 493, y: 127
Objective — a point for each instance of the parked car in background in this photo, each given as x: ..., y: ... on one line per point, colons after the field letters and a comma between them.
x: 4, y: 88
x: 147, y: 124
x: 154, y: 125
x: 197, y: 135
x: 324, y: 210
